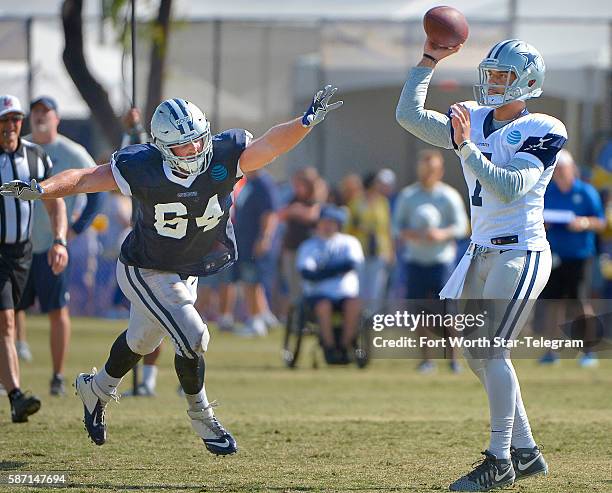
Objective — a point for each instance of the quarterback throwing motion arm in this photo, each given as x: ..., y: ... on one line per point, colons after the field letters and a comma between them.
x: 453, y: 131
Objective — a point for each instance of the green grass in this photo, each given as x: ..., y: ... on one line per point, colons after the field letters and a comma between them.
x: 342, y: 429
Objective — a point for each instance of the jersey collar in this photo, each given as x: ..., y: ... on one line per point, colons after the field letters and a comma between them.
x: 184, y: 182
x: 487, y: 124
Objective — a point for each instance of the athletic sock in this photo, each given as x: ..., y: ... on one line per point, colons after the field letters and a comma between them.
x: 149, y: 376
x: 199, y: 401
x: 106, y: 385
x: 521, y: 430
x: 501, y: 387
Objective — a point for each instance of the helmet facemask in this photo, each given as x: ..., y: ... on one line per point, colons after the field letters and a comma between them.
x: 194, y: 164
x: 177, y: 123
x: 513, y: 57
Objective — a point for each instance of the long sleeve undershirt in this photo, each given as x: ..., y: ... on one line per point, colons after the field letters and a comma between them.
x: 507, y: 184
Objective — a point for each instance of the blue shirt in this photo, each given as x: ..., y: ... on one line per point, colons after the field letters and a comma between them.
x: 582, y: 200
x: 258, y: 197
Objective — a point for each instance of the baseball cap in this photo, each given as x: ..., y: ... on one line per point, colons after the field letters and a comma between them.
x: 48, y: 101
x: 10, y: 104
x: 335, y: 213
x: 386, y: 176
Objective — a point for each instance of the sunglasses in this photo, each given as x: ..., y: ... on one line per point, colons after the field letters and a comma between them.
x: 13, y: 118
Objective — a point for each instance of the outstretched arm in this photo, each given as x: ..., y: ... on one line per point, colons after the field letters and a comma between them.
x: 284, y: 137
x: 69, y: 182
x: 429, y: 126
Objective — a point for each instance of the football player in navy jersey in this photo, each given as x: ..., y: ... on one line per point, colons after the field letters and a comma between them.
x: 181, y: 185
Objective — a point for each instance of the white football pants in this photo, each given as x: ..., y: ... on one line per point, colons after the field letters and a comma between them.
x: 516, y: 276
x: 161, y: 305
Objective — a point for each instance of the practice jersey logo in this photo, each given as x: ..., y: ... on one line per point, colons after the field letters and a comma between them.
x: 514, y: 137
x: 218, y: 172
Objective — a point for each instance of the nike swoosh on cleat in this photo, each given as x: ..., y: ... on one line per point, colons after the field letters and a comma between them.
x: 528, y: 464
x: 223, y: 444
x: 498, y: 477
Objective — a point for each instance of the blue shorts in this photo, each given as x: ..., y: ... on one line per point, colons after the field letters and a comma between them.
x: 256, y: 270
x: 228, y: 275
x: 424, y: 282
x: 51, y: 290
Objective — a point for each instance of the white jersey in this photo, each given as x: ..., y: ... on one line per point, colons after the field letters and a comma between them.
x: 534, y: 137
x: 316, y: 254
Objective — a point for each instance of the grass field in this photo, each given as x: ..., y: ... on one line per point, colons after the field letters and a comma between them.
x: 343, y: 429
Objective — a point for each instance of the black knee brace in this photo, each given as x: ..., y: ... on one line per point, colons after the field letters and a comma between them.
x: 121, y: 359
x: 190, y: 373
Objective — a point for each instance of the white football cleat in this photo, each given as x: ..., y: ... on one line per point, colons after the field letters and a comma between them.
x: 216, y: 439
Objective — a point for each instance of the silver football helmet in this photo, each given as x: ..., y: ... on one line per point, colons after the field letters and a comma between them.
x: 512, y: 56
x: 177, y: 122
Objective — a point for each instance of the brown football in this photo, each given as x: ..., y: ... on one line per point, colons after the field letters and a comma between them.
x: 445, y: 26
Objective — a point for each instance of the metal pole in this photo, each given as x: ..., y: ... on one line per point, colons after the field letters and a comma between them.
x: 28, y: 28
x: 133, y: 36
x: 216, y: 76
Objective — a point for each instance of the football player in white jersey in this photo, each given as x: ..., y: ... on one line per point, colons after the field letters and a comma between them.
x: 508, y: 156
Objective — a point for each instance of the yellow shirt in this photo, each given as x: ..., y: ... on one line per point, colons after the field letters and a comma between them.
x: 370, y: 222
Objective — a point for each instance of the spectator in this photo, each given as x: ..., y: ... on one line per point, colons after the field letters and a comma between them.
x: 386, y: 181
x: 328, y: 263
x: 20, y: 159
x: 429, y: 217
x: 573, y: 213
x: 300, y: 216
x: 351, y: 188
x: 43, y: 284
x: 370, y: 222
x: 256, y: 221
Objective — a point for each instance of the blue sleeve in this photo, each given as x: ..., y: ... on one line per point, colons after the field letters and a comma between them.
x: 328, y: 271
x: 93, y: 205
x: 595, y: 202
x: 132, y: 165
x: 544, y: 148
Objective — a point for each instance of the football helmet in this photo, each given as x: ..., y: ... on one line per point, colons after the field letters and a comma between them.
x: 177, y: 122
x: 511, y: 56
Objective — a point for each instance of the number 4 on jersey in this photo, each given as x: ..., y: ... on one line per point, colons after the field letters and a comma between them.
x: 170, y: 220
x: 476, y: 198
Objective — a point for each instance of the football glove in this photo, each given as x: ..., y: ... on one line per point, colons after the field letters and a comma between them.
x: 320, y: 106
x: 22, y: 190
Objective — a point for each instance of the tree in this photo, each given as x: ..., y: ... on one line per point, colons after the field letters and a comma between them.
x: 92, y: 92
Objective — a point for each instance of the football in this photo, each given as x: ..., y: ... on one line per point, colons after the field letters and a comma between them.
x: 445, y: 26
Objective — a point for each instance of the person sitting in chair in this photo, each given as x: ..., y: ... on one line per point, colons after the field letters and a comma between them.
x: 328, y: 263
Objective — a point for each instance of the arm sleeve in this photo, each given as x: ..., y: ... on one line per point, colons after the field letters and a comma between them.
x: 429, y: 126
x: 248, y: 137
x: 328, y: 271
x: 93, y: 205
x: 507, y: 184
x: 597, y: 209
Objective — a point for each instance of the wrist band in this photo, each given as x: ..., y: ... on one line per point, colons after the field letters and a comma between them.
x: 429, y: 57
x: 60, y: 241
x: 463, y: 144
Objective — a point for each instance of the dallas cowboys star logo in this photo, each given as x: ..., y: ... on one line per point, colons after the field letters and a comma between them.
x: 530, y: 59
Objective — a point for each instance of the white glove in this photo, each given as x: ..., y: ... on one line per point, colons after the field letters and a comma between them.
x: 320, y: 106
x: 22, y: 190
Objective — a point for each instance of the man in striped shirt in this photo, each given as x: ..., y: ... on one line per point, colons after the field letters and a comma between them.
x: 20, y: 159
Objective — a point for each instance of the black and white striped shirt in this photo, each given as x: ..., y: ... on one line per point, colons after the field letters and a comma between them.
x: 27, y: 162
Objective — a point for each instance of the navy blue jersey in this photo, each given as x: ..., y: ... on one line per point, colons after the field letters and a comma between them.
x: 181, y: 224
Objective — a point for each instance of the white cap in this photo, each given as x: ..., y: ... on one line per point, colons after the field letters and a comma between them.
x: 386, y: 176
x: 10, y: 104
